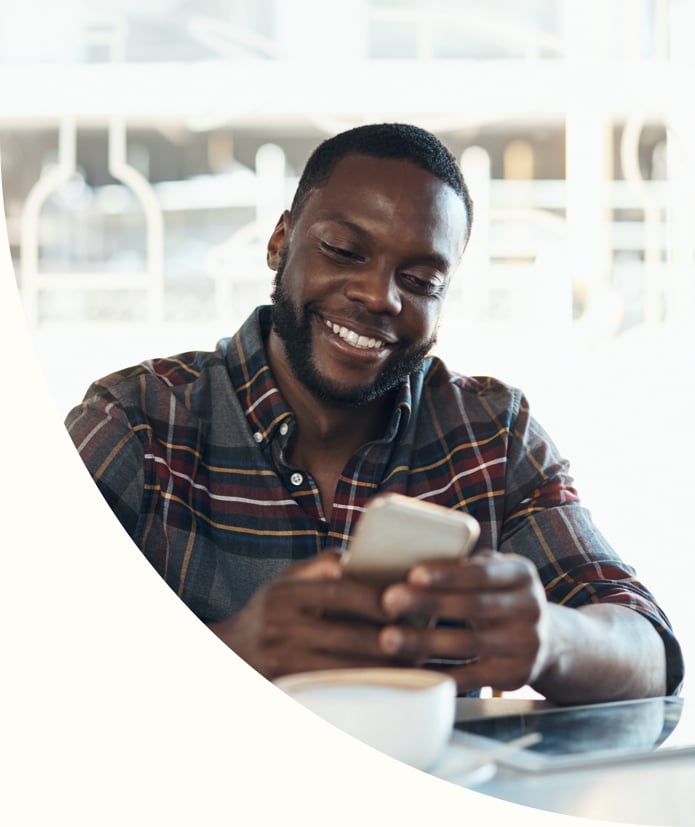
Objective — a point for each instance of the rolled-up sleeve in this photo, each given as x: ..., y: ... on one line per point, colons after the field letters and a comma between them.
x: 547, y: 524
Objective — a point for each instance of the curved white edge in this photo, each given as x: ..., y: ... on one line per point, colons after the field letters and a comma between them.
x: 118, y: 705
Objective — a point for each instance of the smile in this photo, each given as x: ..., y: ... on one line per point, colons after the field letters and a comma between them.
x: 362, y: 342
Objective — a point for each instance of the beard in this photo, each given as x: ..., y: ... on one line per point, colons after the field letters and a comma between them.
x: 294, y: 329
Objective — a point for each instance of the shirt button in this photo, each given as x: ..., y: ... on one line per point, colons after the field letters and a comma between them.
x: 258, y: 436
x: 296, y: 479
x: 284, y: 428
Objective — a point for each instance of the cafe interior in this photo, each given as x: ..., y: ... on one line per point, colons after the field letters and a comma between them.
x: 149, y: 149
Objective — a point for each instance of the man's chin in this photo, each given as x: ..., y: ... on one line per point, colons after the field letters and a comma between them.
x: 341, y: 396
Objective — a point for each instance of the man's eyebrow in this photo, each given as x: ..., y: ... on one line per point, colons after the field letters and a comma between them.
x: 350, y: 225
x: 433, y: 259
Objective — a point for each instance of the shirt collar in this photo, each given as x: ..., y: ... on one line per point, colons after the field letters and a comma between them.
x: 402, y: 410
x: 253, y: 381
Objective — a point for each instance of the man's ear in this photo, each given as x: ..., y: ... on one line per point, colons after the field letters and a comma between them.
x: 278, y: 240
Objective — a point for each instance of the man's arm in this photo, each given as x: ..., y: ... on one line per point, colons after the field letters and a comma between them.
x: 602, y: 652
x: 556, y: 608
x: 513, y: 636
x: 308, y: 618
x: 112, y: 453
x: 579, y: 570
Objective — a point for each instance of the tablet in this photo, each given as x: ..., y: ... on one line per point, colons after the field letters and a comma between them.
x: 589, y: 734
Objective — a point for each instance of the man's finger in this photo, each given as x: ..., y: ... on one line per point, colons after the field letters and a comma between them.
x: 489, y: 606
x: 488, y: 570
x: 325, y: 566
x: 326, y: 598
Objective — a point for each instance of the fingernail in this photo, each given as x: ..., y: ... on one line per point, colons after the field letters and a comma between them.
x: 394, y: 601
x: 391, y: 640
x: 420, y: 577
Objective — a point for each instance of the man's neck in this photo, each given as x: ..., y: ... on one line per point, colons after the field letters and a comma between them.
x: 326, y: 435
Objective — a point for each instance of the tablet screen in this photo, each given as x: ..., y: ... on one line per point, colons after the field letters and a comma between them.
x: 581, y: 734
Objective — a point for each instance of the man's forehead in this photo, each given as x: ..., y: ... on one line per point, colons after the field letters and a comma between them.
x: 355, y: 168
x: 399, y: 179
x: 429, y: 197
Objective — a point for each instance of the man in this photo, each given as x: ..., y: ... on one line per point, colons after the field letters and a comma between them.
x: 241, y: 473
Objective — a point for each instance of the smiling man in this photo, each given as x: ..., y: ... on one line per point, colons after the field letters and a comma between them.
x: 363, y: 265
x: 242, y: 473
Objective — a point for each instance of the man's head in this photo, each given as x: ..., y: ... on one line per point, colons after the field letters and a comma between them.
x: 398, y: 141
x: 363, y: 261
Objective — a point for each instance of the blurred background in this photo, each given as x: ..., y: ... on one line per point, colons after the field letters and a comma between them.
x: 148, y: 149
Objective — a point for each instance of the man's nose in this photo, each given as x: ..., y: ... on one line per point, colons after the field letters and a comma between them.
x: 377, y: 289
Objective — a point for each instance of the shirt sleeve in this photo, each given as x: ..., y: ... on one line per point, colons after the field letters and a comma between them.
x: 546, y: 523
x: 112, y: 452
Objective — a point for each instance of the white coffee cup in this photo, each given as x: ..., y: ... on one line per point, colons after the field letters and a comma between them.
x: 405, y: 713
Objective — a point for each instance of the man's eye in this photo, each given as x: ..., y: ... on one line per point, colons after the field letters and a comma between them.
x: 425, y: 286
x: 340, y: 252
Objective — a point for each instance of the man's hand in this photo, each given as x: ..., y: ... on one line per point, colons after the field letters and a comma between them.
x: 500, y: 599
x: 308, y: 618
x: 513, y: 636
x: 312, y: 618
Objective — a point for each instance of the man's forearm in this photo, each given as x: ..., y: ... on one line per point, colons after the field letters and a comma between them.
x: 602, y: 652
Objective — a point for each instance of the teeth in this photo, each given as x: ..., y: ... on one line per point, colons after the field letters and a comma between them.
x: 364, y: 342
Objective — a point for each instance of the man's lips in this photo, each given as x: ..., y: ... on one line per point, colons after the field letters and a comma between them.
x: 354, y: 338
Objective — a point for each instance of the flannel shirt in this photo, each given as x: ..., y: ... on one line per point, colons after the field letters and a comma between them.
x: 190, y: 453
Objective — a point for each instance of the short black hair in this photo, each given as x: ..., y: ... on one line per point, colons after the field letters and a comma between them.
x: 395, y: 141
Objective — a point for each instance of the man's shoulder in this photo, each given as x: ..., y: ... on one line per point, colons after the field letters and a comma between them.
x: 441, y: 378
x: 191, y: 372
x: 186, y: 372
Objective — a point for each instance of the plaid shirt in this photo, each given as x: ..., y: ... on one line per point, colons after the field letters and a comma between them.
x: 190, y: 453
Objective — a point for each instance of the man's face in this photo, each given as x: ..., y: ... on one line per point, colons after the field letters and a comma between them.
x: 361, y: 277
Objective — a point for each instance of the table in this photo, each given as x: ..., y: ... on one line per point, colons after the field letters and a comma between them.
x: 650, y: 791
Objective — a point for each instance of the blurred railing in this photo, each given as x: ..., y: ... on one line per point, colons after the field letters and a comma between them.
x: 142, y: 243
x: 518, y: 252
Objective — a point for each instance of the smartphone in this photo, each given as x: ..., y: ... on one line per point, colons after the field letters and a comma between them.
x: 396, y: 532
